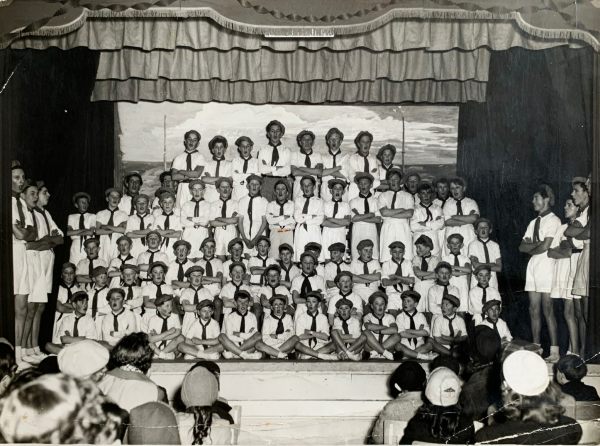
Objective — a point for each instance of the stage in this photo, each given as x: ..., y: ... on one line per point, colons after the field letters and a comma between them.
x: 284, y: 402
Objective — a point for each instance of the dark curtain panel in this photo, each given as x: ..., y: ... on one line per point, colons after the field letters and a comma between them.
x: 594, y: 321
x: 535, y: 127
x: 50, y: 125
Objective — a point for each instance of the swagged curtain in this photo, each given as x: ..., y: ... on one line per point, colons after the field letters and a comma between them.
x: 197, y: 59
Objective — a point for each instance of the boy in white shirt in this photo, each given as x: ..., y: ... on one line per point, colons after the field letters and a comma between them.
x: 484, y: 250
x: 378, y: 328
x: 195, y: 218
x: 193, y: 295
x: 151, y: 255
x: 280, y: 217
x: 448, y: 329
x: 413, y: 329
x: 424, y: 264
x: 366, y: 271
x: 312, y: 329
x: 278, y: 338
x: 124, y: 256
x: 139, y: 224
x: 80, y: 226
x: 461, y: 270
x: 252, y: 213
x: 491, y: 311
x: 440, y: 288
x: 346, y: 331
x: 202, y: 335
x: 74, y: 326
x: 163, y: 328
x: 482, y: 293
x: 308, y: 281
x: 120, y: 321
x: 239, y: 281
x: 168, y: 223
x: 397, y: 276
x: 344, y: 284
x: 273, y: 287
x: 240, y: 334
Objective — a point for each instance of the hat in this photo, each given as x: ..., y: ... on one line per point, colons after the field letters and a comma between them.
x: 207, y: 240
x: 303, y: 133
x: 87, y: 241
x: 242, y: 294
x: 309, y: 254
x: 424, y: 240
x: 233, y: 242
x: 308, y: 177
x: 360, y: 175
x: 487, y: 343
x: 489, y: 304
x: 272, y: 268
x: 133, y: 174
x: 579, y: 180
x: 482, y: 220
x: 335, y: 181
x: 481, y: 267
x: 83, y: 358
x: 313, y: 246
x: 526, y: 373
x: 364, y: 244
x: 67, y: 265
x: 408, y: 376
x: 254, y: 177
x: 265, y: 238
x: 285, y: 246
x: 377, y: 294
x: 205, y: 303
x: 443, y: 387
x: 126, y: 266
x: 167, y: 194
x: 78, y: 195
x: 441, y: 265
x: 396, y: 244
x: 99, y: 270
x: 223, y: 179
x: 79, y: 295
x: 412, y: 294
x: 234, y: 264
x: 193, y: 269
x: 391, y: 171
x: 195, y: 181
x: 384, y: 148
x: 158, y: 263
x: 342, y: 274
x: 339, y: 246
x: 280, y: 297
x: 284, y: 182
x: 153, y: 423
x: 162, y: 299
x: 124, y: 237
x: 316, y: 293
x: 155, y: 232
x: 159, y: 191
x: 343, y: 301
x: 199, y: 388
x: 185, y: 243
x: 140, y: 196
x: 452, y: 299
x: 110, y: 190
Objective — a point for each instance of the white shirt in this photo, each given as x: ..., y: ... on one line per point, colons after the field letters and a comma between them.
x: 270, y: 327
x: 404, y: 200
x: 390, y: 267
x: 476, y: 298
x: 330, y: 270
x: 256, y: 261
x: 276, y: 221
x: 501, y: 326
x: 151, y: 289
x: 549, y: 224
x: 403, y: 323
x: 43, y: 227
x: 259, y: 210
x: 232, y: 323
x: 86, y: 327
x: 357, y: 302
x: 357, y: 268
x: 155, y: 322
x: 387, y: 320
x: 194, y: 330
x: 126, y: 323
x: 211, y: 168
x: 356, y: 163
x: 435, y: 296
x: 134, y: 222
x: 314, y: 214
x: 354, y: 327
x: 180, y: 161
x: 304, y: 322
x: 469, y: 206
x: 358, y: 203
x: 237, y: 170
x: 264, y: 161
x: 187, y: 214
x: 227, y: 293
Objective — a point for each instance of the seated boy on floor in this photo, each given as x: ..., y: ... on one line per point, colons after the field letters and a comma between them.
x: 239, y: 281
x: 396, y: 276
x: 75, y: 326
x: 134, y: 300
x: 378, y: 328
x: 448, y: 329
x: 272, y: 286
x: 202, y: 334
x: 441, y: 288
x: 412, y: 329
x: 240, y: 334
x: 312, y: 329
x: 344, y: 290
x: 491, y: 318
x: 192, y: 296
x: 278, y: 338
x: 120, y: 321
x: 163, y: 328
x: 346, y: 332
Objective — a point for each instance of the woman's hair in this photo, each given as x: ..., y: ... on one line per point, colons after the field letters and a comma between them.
x: 572, y: 366
x: 544, y: 408
x: 133, y: 349
x: 443, y: 422
x: 7, y: 360
x: 63, y: 410
x: 202, y: 422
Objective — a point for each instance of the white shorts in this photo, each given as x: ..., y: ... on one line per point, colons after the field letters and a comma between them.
x: 37, y: 279
x: 20, y: 271
x: 540, y: 272
x: 275, y: 343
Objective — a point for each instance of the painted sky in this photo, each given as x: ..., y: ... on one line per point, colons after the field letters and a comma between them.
x: 431, y: 131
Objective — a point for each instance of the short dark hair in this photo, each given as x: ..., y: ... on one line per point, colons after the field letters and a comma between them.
x: 163, y: 175
x: 217, y: 139
x: 133, y: 349
x: 189, y: 132
x: 572, y: 366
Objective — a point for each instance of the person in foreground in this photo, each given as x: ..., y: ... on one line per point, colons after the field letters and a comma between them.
x: 531, y: 408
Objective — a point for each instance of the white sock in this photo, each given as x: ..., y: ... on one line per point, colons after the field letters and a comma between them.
x: 388, y: 355
x: 18, y: 353
x: 554, y: 349
x: 37, y: 350
x: 29, y: 352
x: 322, y: 356
x: 281, y: 355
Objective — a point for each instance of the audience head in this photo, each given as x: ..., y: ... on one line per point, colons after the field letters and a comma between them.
x: 153, y: 422
x: 570, y: 368
x: 408, y: 377
x: 443, y: 387
x: 487, y: 345
x: 445, y: 361
x: 83, y: 359
x: 8, y: 366
x: 199, y: 391
x: 132, y: 350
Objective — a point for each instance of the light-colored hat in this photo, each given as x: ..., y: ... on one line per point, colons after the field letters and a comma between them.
x: 526, y: 373
x: 83, y: 358
x: 199, y: 388
x: 443, y: 387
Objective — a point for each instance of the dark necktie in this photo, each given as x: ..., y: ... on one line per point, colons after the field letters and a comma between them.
x: 483, y: 293
x: 336, y: 205
x: 69, y: 292
x: 494, y: 324
x: 180, y: 272
x: 428, y: 211
x: 111, y: 219
x: 450, y: 327
x: 456, y: 262
x: 273, y: 288
x: 123, y: 260
x: 95, y: 302
x: 35, y: 226
x: 345, y: 327
x: 250, y: 214
x: 76, y: 327
x: 366, y: 198
x: 306, y: 286
x: 459, y: 209
x: 424, y: 264
x: 90, y: 267
x: 46, y: 222
x: 242, y: 321
x: 398, y: 273
x: 365, y: 266
x: 313, y: 327
x: 151, y: 260
x: 445, y: 293
x: 380, y: 322
x: 142, y: 227
x: 485, y: 249
x: 17, y: 197
x: 536, y: 230
x: 131, y: 206
x: 245, y: 168
x: 129, y: 292
x: 224, y: 208
x: 196, y: 208
x: 366, y: 161
x: 393, y: 206
x: 188, y: 160
x: 264, y: 264
x: 159, y: 292
x: 274, y: 155
x: 167, y: 226
x: 208, y: 268
x: 81, y: 226
x: 307, y: 160
x: 279, y: 329
x: 412, y: 326
x: 305, y: 208
x: 116, y: 319
x: 164, y: 327
x: 287, y: 271
x: 281, y: 211
x: 196, y: 295
x: 334, y: 155
x: 338, y: 268
x: 204, y: 329
x: 218, y: 160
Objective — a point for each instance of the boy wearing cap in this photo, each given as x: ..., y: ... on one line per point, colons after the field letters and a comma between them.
x: 337, y: 214
x: 195, y: 219
x: 540, y: 268
x: 274, y: 158
x: 305, y: 162
x: 92, y: 260
x: 80, y: 226
x: 333, y: 266
x: 396, y: 276
x: 424, y: 264
x: 259, y: 262
x: 378, y: 328
x: 312, y: 329
x: 289, y: 270
x: 239, y: 281
x: 280, y: 217
x: 365, y: 215
x: 428, y: 218
x: 308, y: 281
x: 278, y: 338
x: 166, y: 184
x: 490, y: 317
x: 134, y: 299
x: 362, y: 162
x: 343, y: 290
x: 132, y: 183
x: 109, y: 222
x: 481, y: 293
x: 75, y: 326
x: 151, y: 255
x: 385, y: 158
x: 441, y: 288
x: 447, y: 329
x: 213, y: 267
x: 242, y: 166
x: 139, y: 224
x: 187, y: 166
x: 235, y: 248
x: 202, y: 334
x: 315, y: 248
x: 272, y: 287
x: 461, y: 270
x: 460, y: 212
x: 412, y: 328
x: 366, y: 270
x: 191, y: 296
x: 396, y: 208
x: 123, y: 244
x: 163, y: 328
x: 308, y: 214
x: 346, y: 331
x: 252, y: 213
x: 168, y: 223
x: 216, y: 167
x: 120, y: 321
x: 240, y: 334
x: 176, y: 276
x: 483, y: 250
x: 66, y: 287
x: 224, y: 216
x: 98, y: 306
x: 156, y: 286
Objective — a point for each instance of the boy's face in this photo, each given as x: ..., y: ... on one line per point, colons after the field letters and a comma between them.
x: 345, y: 312
x: 426, y: 196
x: 307, y: 264
x: 181, y: 252
x: 408, y: 304
x: 18, y: 179
x: 337, y: 192
x: 129, y: 276
x: 167, y: 204
x: 422, y: 250
x: 100, y: 280
x: 447, y: 308
x: 397, y: 254
x: 116, y: 302
x: 278, y: 308
x: 334, y: 142
x: 236, y: 251
x: 443, y: 275
x: 196, y: 279
x: 493, y: 313
x: 208, y: 250
x: 82, y: 204
x: 31, y: 197
x: 273, y: 278
x: 43, y: 197
x: 205, y: 313
x: 158, y: 274
x: 197, y: 191
x: 281, y: 193
x: 395, y: 182
x: 224, y: 190
x: 345, y: 284
x: 218, y: 150
x: 307, y: 187
x: 168, y: 182
x: 253, y: 188
x: 483, y: 277
x: 113, y: 199
x: 80, y: 306
x: 455, y: 245
x: 124, y: 248
x: 364, y: 145
x: 483, y: 230
x: 285, y: 256
x: 133, y: 185
x: 336, y: 255
x: 153, y: 241
x: 245, y: 149
x: 442, y: 190
x: 539, y: 203
x: 68, y: 275
x: 242, y: 304
x: 306, y: 143
x: 312, y: 304
x: 364, y: 186
x: 263, y: 248
x: 237, y: 274
x: 457, y: 191
x: 274, y: 134
x: 579, y: 195
x: 91, y: 250
x: 378, y: 306
x: 387, y: 157
x: 141, y: 206
x: 166, y: 308
x: 366, y: 254
x: 412, y: 183
x: 191, y: 142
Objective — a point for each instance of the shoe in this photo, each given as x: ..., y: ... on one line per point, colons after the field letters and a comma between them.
x: 189, y: 357
x: 41, y: 356
x: 375, y: 355
x: 255, y: 355
x: 166, y: 356
x: 30, y: 359
x: 552, y: 358
x: 354, y: 356
x: 229, y: 355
